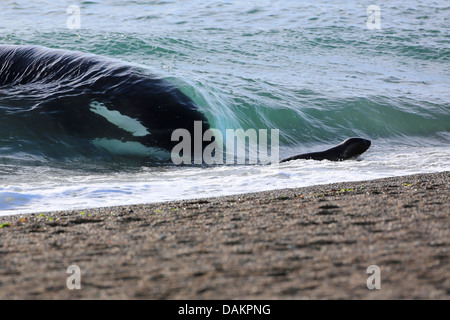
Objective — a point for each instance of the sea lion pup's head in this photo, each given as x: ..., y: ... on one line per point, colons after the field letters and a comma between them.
x: 353, y: 147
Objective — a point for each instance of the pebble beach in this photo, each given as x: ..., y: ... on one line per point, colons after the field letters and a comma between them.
x: 306, y: 243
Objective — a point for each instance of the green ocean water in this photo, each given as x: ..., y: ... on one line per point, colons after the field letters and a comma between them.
x: 315, y: 70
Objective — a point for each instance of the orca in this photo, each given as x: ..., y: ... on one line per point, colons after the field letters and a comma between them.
x: 73, y: 100
x: 85, y: 96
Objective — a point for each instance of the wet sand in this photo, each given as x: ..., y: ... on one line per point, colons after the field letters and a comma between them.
x: 306, y: 243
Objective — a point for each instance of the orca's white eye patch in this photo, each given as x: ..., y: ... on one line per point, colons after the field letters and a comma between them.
x: 126, y: 123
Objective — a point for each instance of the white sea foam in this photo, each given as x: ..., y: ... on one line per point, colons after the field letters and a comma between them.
x: 62, y: 190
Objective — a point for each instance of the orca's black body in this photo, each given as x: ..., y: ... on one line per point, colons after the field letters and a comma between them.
x: 90, y: 97
x: 53, y: 102
x: 350, y: 148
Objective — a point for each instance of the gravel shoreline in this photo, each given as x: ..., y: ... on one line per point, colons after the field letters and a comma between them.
x: 305, y: 243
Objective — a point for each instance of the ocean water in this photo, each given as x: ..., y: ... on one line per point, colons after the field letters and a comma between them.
x: 314, y: 70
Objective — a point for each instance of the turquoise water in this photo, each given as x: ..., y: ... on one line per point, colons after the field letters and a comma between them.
x: 313, y: 70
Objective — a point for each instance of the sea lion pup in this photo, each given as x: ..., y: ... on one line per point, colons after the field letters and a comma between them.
x: 350, y: 148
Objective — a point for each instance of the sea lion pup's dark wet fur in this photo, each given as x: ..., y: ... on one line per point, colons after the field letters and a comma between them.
x: 350, y: 148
